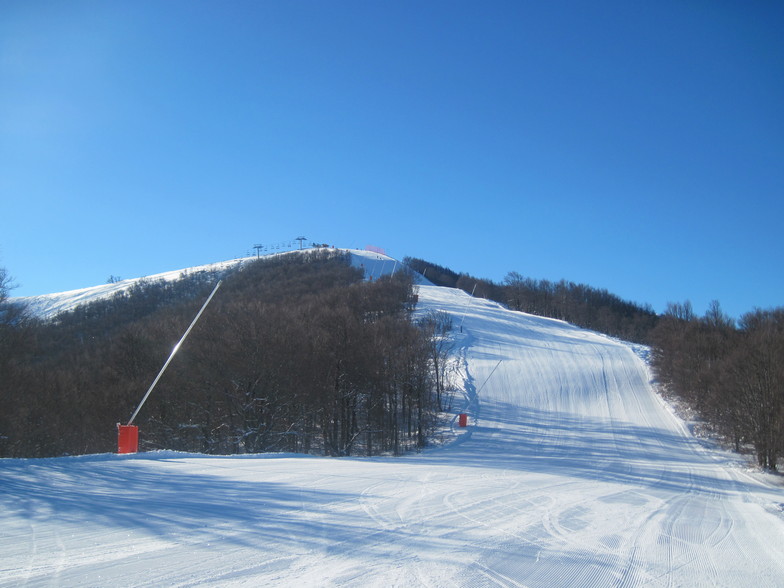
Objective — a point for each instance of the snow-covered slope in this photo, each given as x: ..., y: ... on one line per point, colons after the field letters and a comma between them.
x: 48, y: 305
x: 571, y: 472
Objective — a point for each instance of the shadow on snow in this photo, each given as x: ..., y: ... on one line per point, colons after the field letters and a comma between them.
x: 573, y: 445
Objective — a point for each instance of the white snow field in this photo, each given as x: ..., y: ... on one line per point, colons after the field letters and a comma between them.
x: 571, y: 472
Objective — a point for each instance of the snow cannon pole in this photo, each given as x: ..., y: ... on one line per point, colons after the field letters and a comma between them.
x: 463, y: 417
x: 174, y: 351
x: 488, y: 377
x: 466, y: 308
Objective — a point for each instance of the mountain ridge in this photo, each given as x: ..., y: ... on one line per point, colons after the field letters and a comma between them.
x: 46, y: 306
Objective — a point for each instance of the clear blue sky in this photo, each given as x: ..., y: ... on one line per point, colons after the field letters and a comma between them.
x: 633, y: 146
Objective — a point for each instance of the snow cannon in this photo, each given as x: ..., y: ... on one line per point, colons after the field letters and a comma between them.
x: 127, y: 438
x: 128, y: 435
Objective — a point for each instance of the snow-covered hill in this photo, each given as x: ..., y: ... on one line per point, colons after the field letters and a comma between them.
x: 572, y: 472
x: 48, y: 305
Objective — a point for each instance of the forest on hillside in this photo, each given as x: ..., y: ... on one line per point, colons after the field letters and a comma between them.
x: 295, y: 353
x: 731, y: 374
x: 301, y: 354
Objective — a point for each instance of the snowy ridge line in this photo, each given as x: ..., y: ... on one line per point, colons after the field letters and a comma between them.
x: 49, y: 305
x: 46, y: 306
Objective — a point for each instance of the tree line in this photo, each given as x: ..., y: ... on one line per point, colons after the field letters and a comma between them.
x: 295, y: 353
x: 731, y: 374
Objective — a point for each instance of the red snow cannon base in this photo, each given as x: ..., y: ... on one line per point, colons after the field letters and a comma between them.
x: 127, y: 438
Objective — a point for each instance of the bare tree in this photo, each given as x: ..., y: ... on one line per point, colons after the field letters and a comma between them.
x: 759, y: 378
x: 437, y: 326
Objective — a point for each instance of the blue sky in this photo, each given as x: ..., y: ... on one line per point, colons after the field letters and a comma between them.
x: 633, y: 146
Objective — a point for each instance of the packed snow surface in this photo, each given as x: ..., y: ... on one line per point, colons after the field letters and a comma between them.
x: 571, y: 472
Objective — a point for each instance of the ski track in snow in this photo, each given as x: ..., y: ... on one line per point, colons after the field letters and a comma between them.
x: 572, y: 472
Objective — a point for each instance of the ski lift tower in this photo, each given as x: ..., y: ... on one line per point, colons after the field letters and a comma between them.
x: 301, y: 239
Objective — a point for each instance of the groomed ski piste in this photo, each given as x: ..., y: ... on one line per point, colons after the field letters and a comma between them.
x: 571, y: 472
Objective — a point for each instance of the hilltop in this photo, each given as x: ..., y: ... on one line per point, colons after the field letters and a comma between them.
x: 47, y: 306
